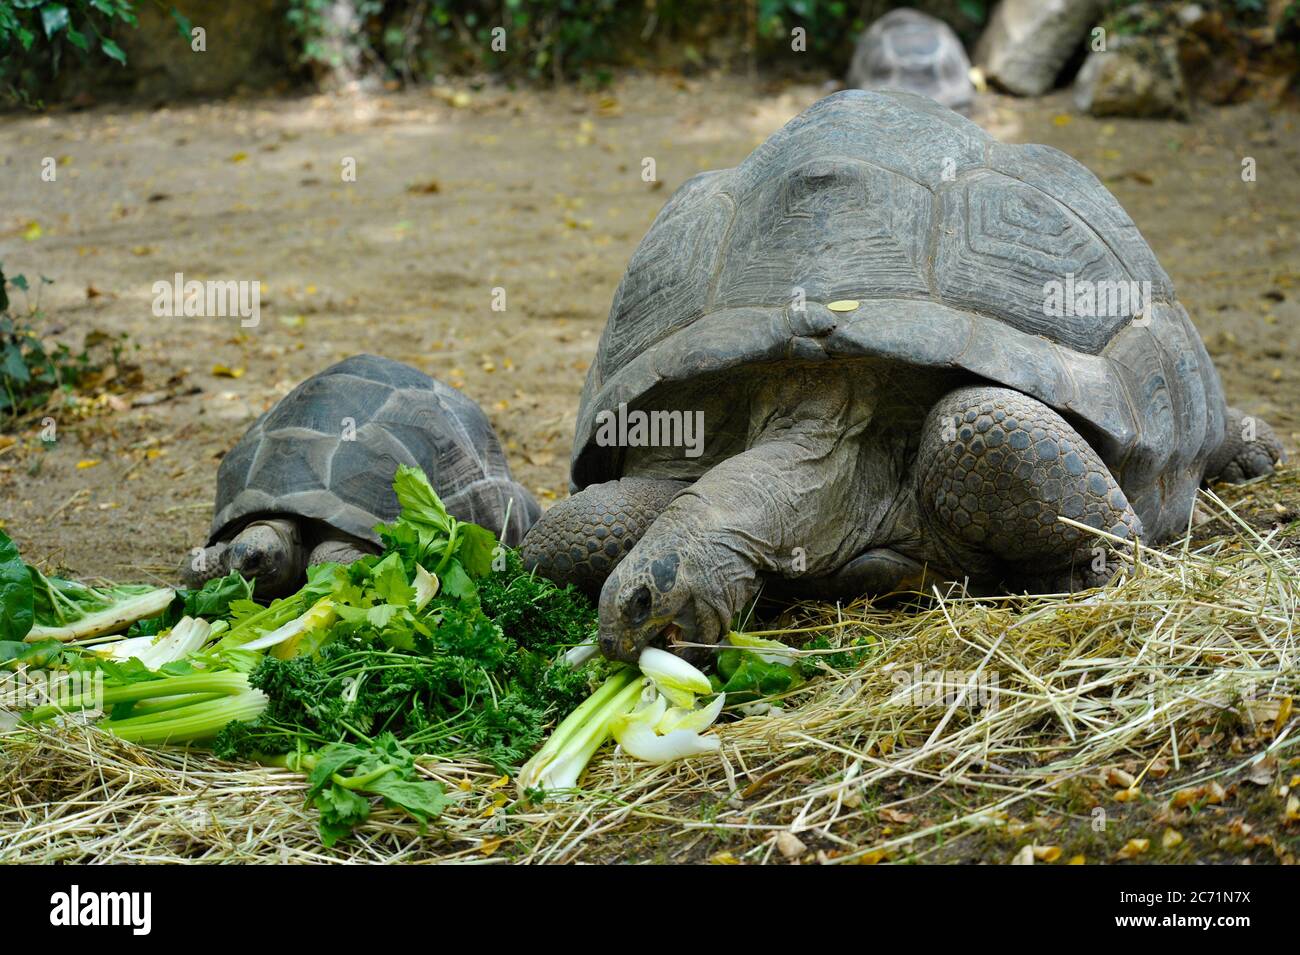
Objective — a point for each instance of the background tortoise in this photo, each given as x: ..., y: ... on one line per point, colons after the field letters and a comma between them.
x: 312, y: 477
x: 908, y: 50
x: 858, y: 309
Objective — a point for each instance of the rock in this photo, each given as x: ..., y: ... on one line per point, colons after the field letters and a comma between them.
x: 1135, y: 77
x: 1027, y: 42
x: 909, y: 50
x: 789, y: 845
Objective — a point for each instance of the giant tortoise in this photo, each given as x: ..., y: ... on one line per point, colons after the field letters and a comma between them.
x: 909, y: 50
x: 313, y: 476
x: 868, y: 312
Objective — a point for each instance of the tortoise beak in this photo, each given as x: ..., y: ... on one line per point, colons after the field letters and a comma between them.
x: 624, y: 644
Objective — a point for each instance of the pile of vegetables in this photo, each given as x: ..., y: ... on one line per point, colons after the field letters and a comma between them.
x: 441, y: 647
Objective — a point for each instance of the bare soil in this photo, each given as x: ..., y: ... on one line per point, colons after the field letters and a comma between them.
x: 460, y: 192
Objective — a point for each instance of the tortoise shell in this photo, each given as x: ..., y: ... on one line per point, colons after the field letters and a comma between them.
x: 329, y: 449
x: 909, y: 50
x: 944, y: 242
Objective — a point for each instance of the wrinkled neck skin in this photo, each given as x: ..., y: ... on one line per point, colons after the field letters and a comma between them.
x: 810, y: 493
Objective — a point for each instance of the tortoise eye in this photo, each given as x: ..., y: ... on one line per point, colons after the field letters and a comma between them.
x: 638, y: 608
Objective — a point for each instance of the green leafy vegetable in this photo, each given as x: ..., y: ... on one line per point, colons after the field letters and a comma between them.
x: 16, y: 596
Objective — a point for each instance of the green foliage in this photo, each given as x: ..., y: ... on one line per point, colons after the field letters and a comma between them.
x: 30, y: 368
x: 343, y: 775
x: 478, y: 671
x: 36, y: 35
x: 16, y: 594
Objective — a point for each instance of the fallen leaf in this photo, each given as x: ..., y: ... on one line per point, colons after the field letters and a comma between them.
x: 221, y: 371
x: 88, y: 463
x: 1283, y: 714
x: 893, y: 815
x: 1119, y: 778
x: 32, y: 231
x: 1261, y: 772
x: 1171, y: 838
x: 238, y: 157
x: 1047, y: 853
x: 1024, y: 857
x: 1133, y: 848
x: 790, y: 845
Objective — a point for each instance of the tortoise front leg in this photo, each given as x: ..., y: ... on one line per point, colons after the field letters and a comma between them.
x: 995, y: 469
x: 336, y: 547
x: 580, y: 540
x: 205, y: 563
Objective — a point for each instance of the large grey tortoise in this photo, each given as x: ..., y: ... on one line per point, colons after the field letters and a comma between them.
x: 909, y: 50
x: 313, y: 476
x: 911, y: 354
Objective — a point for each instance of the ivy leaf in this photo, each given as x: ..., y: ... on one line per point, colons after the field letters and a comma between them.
x: 78, y: 39
x: 183, y: 23
x: 54, y: 17
x: 111, y: 49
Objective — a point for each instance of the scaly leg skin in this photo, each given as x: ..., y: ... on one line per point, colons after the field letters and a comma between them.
x: 995, y: 469
x: 205, y: 563
x: 879, y: 571
x: 580, y: 540
x: 1250, y: 449
x: 335, y: 547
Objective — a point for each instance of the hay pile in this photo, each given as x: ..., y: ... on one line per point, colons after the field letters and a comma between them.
x: 975, y: 705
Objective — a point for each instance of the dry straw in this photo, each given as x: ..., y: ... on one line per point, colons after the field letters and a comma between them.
x: 1015, y: 695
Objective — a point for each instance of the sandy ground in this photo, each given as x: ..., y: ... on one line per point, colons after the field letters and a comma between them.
x: 538, y: 193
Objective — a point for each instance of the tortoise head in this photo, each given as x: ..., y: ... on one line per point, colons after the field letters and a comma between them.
x: 271, y: 554
x: 657, y: 596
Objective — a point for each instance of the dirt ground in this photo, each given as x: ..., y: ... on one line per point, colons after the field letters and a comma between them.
x: 459, y: 192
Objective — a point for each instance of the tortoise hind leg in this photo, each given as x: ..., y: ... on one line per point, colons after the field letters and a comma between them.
x: 581, y: 539
x: 996, y: 469
x: 1250, y: 449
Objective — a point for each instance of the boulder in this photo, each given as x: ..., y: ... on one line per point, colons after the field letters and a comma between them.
x: 1136, y: 77
x: 1027, y: 42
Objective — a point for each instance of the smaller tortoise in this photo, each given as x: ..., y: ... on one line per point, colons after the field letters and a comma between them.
x: 312, y: 477
x: 908, y: 50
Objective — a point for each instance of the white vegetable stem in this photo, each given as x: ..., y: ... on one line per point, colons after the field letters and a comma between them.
x: 321, y: 614
x: 117, y: 617
x: 187, y: 637
x: 675, y: 678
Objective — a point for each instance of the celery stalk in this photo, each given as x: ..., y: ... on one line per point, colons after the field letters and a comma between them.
x: 563, y: 757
